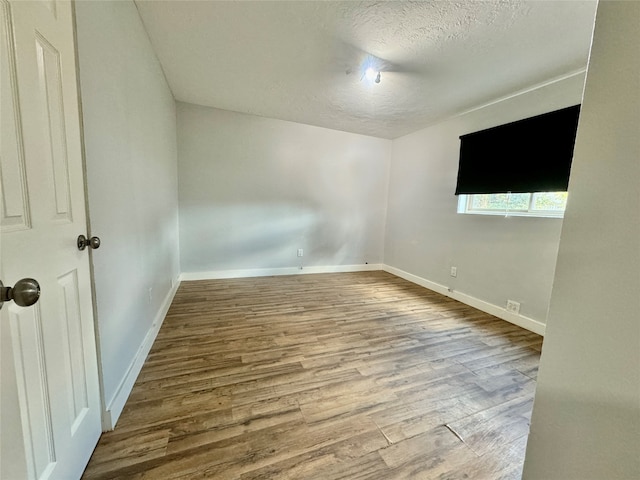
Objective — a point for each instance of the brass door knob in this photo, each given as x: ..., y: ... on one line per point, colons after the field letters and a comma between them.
x: 84, y: 242
x: 25, y: 293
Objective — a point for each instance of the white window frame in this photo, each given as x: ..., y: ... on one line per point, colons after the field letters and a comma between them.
x: 465, y: 203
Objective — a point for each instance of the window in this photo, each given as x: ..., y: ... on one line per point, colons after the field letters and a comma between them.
x: 540, y: 204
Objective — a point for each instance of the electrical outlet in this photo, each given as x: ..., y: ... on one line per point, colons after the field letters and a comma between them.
x: 513, y: 307
x: 300, y: 252
x: 454, y: 271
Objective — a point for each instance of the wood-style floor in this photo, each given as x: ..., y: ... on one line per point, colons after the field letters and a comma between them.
x: 331, y: 376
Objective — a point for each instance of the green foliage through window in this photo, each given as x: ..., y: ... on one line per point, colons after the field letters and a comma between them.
x: 549, y: 204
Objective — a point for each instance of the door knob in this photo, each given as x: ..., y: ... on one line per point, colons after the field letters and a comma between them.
x: 25, y: 293
x: 84, y: 242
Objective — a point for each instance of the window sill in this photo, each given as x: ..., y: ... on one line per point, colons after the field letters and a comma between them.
x: 497, y: 213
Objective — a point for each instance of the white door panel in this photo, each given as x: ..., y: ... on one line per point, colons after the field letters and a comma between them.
x: 50, y: 377
x: 15, y: 211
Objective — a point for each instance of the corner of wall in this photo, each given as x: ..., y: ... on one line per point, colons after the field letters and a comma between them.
x: 117, y: 402
x: 527, y: 323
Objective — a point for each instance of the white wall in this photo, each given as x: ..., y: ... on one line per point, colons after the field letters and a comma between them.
x: 253, y: 190
x: 497, y: 258
x: 586, y: 415
x: 130, y: 140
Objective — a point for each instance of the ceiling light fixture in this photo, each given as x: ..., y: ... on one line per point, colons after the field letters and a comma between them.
x: 372, y: 75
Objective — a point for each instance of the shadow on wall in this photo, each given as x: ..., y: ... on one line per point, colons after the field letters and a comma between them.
x: 268, y: 235
x: 613, y: 416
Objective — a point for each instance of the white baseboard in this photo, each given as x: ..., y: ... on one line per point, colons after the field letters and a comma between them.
x: 268, y: 272
x: 116, y: 404
x: 520, y: 320
x: 530, y: 324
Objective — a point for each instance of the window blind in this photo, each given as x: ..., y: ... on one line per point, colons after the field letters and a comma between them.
x: 530, y: 155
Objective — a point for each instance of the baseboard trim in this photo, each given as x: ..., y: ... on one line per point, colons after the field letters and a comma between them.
x: 269, y: 272
x: 116, y: 404
x: 530, y: 324
x: 520, y: 320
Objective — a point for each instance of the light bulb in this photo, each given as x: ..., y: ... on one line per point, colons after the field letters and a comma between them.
x: 370, y: 73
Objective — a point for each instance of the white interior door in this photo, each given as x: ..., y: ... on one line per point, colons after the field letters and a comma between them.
x: 50, y: 404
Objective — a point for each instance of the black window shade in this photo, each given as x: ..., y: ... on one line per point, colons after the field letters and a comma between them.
x: 530, y: 155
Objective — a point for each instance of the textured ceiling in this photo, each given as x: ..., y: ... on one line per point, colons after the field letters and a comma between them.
x: 302, y: 60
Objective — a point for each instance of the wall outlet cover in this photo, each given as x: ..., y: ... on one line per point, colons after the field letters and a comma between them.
x: 513, y: 307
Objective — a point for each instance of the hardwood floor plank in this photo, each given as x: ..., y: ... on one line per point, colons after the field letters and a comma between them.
x: 489, y: 429
x: 146, y: 446
x: 425, y: 453
x: 324, y: 377
x: 343, y: 459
